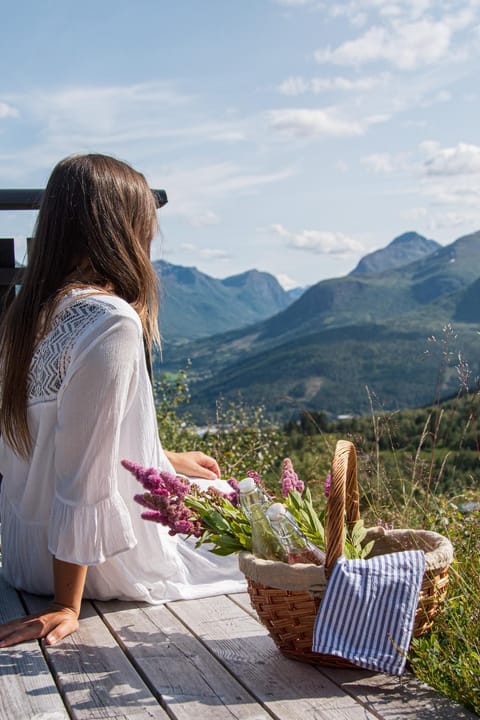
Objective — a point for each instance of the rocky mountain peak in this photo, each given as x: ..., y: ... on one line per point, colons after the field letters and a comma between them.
x: 402, y: 250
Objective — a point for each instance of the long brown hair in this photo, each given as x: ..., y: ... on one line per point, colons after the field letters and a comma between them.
x: 96, y: 213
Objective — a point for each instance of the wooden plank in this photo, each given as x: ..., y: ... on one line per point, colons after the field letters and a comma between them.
x: 396, y: 699
x: 192, y: 683
x: 404, y: 698
x: 288, y: 689
x: 93, y: 674
x: 27, y: 689
x: 243, y: 599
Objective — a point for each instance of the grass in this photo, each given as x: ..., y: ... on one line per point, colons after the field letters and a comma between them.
x: 448, y: 658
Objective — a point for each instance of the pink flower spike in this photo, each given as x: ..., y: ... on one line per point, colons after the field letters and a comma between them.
x: 290, y: 479
x: 154, y: 515
x: 328, y: 482
x: 255, y: 476
x: 300, y: 486
x: 233, y: 482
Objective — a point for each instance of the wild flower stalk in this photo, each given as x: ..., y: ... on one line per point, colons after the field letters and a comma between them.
x: 208, y: 515
x: 327, y: 484
x: 289, y: 479
x: 165, y: 500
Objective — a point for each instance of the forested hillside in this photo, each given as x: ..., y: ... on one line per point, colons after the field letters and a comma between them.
x: 343, y: 335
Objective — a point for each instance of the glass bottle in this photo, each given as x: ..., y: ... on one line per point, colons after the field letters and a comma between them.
x: 254, y: 503
x: 296, y: 547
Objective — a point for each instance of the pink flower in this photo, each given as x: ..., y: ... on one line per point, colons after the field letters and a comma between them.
x: 165, y: 500
x: 255, y: 476
x: 233, y: 482
x: 289, y: 479
x: 234, y: 496
x: 328, y: 482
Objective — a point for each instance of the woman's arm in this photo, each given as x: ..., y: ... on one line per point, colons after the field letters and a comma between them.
x: 69, y: 582
x: 194, y: 464
x: 60, y: 618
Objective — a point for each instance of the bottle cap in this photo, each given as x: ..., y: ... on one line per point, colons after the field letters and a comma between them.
x: 276, y: 512
x: 246, y: 485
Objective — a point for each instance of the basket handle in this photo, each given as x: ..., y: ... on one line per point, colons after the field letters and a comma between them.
x: 343, y: 495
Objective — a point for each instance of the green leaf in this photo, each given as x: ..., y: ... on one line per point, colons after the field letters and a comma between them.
x: 367, y: 548
x: 358, y: 533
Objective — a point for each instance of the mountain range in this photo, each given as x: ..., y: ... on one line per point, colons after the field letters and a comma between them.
x: 380, y: 327
x: 194, y: 305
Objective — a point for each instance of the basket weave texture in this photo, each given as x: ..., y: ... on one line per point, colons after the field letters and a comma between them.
x: 287, y: 597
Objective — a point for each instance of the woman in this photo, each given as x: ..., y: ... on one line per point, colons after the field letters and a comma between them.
x: 76, y: 399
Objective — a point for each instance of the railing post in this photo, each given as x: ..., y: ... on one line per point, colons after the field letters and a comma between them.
x: 8, y: 271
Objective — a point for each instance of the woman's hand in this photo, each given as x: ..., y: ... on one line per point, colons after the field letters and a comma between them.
x: 194, y: 464
x: 60, y: 618
x: 53, y: 624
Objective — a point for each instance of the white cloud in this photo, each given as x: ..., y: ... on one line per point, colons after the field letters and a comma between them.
x: 453, y: 192
x: 454, y: 220
x: 294, y: 85
x: 378, y: 162
x: 460, y: 160
x: 7, y: 110
x: 204, y: 218
x: 414, y: 8
x: 287, y: 282
x: 405, y: 46
x: 377, y: 119
x: 192, y: 191
x: 192, y: 184
x: 129, y: 121
x: 214, y: 254
x: 442, y: 96
x: 110, y: 116
x: 195, y: 252
x: 430, y: 147
x: 292, y: 3
x: 347, y: 84
x: 385, y: 163
x: 394, y: 10
x: 341, y: 166
x: 304, y: 123
x: 416, y: 213
x: 320, y: 242
x: 298, y: 85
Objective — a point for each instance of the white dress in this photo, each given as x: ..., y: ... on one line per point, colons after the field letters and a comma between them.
x: 90, y: 404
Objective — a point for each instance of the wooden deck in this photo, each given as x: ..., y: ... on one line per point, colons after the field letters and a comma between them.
x: 189, y: 660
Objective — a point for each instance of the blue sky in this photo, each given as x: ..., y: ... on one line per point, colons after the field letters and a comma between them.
x: 292, y: 136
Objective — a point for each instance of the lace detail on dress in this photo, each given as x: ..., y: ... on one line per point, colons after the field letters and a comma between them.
x: 53, y: 353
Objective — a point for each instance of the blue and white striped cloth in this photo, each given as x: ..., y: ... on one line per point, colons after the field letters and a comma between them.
x: 368, y: 610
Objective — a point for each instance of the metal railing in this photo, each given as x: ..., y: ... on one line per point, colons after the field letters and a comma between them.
x: 28, y: 199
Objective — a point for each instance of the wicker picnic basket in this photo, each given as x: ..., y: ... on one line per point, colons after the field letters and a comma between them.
x: 287, y: 597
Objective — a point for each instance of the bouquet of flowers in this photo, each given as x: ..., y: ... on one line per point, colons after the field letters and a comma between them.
x: 216, y: 517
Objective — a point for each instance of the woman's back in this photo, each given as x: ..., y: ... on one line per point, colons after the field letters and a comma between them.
x: 76, y: 399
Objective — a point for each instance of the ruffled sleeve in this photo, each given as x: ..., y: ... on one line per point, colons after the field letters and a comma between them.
x: 89, y: 519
